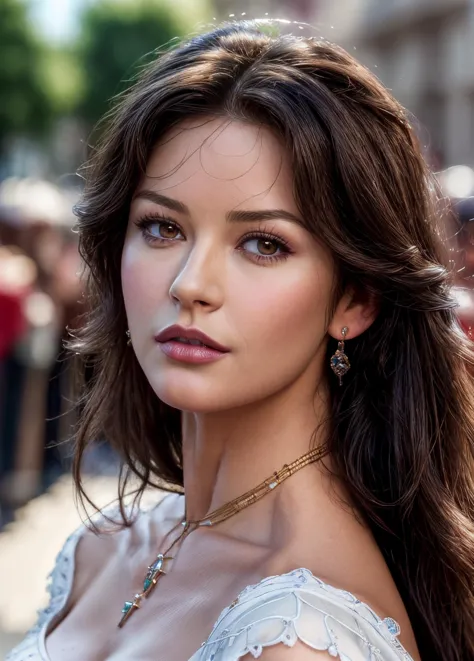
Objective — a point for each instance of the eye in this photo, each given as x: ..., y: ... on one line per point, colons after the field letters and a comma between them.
x: 165, y: 230
x: 266, y: 247
x: 159, y: 230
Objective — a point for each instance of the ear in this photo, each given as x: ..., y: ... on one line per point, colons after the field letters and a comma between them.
x: 356, y: 310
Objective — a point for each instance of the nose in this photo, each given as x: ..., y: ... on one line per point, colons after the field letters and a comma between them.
x: 199, y: 282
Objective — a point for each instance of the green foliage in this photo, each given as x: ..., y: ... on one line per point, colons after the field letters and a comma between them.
x: 62, y: 79
x: 118, y: 37
x: 25, y: 107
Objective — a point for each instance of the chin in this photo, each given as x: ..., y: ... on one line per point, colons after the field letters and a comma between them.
x: 187, y: 393
x: 197, y: 394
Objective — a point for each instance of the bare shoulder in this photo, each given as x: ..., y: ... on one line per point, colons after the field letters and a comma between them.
x: 342, y: 552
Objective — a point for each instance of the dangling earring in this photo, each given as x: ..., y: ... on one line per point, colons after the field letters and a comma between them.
x: 129, y: 341
x: 340, y: 364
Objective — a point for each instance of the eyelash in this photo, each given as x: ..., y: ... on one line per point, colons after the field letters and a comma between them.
x: 145, y: 222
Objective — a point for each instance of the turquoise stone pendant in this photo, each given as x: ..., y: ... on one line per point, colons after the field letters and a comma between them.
x: 153, y: 574
x: 128, y: 608
x: 151, y: 579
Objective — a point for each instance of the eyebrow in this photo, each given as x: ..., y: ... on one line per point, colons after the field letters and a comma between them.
x: 235, y: 216
x: 162, y: 200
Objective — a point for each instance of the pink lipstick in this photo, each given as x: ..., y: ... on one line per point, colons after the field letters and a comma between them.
x: 189, y: 345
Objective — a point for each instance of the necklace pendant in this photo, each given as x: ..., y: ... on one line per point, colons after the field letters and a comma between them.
x: 154, y: 572
x: 129, y: 608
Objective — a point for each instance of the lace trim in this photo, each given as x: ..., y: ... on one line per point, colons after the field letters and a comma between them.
x: 278, y: 609
x: 299, y: 606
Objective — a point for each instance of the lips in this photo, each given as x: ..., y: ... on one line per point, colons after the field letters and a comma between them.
x: 189, y: 336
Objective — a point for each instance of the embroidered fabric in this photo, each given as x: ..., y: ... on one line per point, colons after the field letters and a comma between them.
x: 279, y: 610
x: 299, y: 606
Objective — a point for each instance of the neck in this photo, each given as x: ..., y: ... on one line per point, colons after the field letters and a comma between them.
x: 227, y: 453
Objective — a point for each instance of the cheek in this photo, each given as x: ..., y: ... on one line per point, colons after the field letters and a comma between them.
x: 144, y: 281
x: 289, y: 308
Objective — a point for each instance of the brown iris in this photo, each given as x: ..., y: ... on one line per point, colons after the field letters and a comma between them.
x: 266, y: 247
x: 168, y: 231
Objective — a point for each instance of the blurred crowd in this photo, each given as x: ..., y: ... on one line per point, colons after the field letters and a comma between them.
x: 39, y: 299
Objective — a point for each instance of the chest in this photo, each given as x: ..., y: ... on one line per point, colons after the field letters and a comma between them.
x: 172, y: 623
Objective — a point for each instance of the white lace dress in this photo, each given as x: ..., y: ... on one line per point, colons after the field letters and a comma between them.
x: 279, y: 610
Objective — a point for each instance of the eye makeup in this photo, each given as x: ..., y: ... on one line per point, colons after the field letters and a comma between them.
x: 264, y: 246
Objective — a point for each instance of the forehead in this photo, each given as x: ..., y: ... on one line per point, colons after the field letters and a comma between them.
x: 236, y: 159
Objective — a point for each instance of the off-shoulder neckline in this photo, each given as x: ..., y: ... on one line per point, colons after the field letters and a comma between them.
x: 276, y: 582
x: 296, y: 581
x: 248, y: 592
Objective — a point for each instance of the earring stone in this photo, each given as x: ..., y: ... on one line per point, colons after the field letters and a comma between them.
x: 340, y: 364
x: 129, y: 341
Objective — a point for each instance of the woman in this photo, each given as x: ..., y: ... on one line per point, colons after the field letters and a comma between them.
x: 271, y: 328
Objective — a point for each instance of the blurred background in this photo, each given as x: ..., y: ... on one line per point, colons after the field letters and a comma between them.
x: 61, y: 61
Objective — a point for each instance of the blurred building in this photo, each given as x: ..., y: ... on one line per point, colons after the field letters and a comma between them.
x: 293, y: 10
x: 423, y: 50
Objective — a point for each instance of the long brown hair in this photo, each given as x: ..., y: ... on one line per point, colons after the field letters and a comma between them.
x: 402, y: 427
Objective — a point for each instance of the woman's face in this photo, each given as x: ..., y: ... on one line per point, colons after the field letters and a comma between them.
x: 215, y: 244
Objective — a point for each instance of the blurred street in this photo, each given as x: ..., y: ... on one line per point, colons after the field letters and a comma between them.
x: 28, y: 548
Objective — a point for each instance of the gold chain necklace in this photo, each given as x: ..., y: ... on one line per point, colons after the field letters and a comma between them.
x: 155, y: 570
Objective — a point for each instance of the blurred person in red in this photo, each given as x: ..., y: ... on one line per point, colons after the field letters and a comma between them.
x: 34, y: 379
x: 17, y: 275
